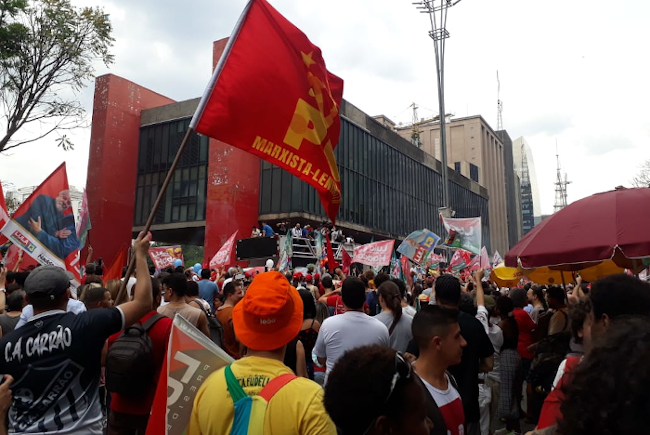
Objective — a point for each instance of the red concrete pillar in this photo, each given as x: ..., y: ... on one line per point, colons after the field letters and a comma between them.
x: 233, y: 189
x: 113, y: 160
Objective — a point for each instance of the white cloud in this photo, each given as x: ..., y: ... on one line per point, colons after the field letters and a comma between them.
x: 576, y: 73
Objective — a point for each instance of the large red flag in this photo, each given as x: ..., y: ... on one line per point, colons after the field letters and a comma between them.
x: 43, y: 226
x: 223, y: 256
x: 271, y: 95
x: 4, y: 215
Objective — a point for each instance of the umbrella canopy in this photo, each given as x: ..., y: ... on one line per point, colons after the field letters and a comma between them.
x: 612, y: 225
x: 505, y: 276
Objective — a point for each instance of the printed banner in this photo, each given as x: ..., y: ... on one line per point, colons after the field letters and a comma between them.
x: 286, y: 252
x: 418, y: 244
x: 295, y: 108
x: 43, y: 226
x: 12, y: 258
x: 406, y: 270
x: 463, y: 233
x: 4, y: 215
x: 374, y: 254
x: 395, y: 268
x: 164, y: 256
x: 191, y: 358
x: 83, y: 226
x: 223, y: 256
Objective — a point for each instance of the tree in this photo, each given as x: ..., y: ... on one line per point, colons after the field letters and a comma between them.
x: 642, y: 178
x: 52, y: 52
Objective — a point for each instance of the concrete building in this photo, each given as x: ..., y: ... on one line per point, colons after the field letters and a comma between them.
x: 475, y: 151
x: 18, y: 196
x: 389, y: 187
x: 531, y: 207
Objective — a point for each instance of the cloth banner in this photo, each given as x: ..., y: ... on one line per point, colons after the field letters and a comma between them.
x: 164, y: 256
x: 4, y: 215
x: 464, y: 233
x: 406, y: 270
x: 481, y: 261
x: 223, y: 256
x: 459, y: 260
x: 418, y: 244
x: 83, y: 226
x: 114, y: 270
x: 13, y: 253
x: 43, y: 226
x: 191, y: 358
x: 295, y: 108
x: 433, y: 260
x: 395, y: 267
x: 286, y: 251
x: 374, y: 254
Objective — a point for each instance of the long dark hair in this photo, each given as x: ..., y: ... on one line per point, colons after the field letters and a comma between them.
x: 393, y: 300
x: 309, y: 305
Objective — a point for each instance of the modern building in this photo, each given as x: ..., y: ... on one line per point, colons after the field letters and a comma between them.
x: 531, y: 207
x: 389, y: 187
x: 475, y: 151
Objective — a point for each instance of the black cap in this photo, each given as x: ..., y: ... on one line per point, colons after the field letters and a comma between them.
x: 49, y: 281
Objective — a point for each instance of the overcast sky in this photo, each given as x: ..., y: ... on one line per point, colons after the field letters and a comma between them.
x: 576, y: 73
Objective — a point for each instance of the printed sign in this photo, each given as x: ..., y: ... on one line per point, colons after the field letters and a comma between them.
x: 418, y: 244
x: 374, y: 254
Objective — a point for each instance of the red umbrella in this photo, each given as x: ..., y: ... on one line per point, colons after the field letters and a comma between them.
x: 610, y: 225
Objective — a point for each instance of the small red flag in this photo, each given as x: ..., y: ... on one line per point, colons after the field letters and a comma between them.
x: 271, y: 95
x: 332, y: 264
x: 115, y: 270
x: 346, y: 260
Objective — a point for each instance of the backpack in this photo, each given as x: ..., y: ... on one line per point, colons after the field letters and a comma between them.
x: 129, y: 361
x: 215, y: 326
x: 250, y: 411
x: 550, y: 352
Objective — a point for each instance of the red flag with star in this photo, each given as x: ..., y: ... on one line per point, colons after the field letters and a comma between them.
x: 271, y: 95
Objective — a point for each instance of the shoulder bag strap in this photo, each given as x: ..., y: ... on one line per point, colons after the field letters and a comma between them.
x: 236, y: 391
x: 152, y: 320
x: 275, y: 385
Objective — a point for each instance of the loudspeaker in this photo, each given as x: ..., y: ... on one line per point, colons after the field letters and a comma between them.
x: 257, y: 247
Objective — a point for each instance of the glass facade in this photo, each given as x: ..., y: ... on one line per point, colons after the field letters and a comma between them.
x: 185, y: 199
x: 383, y: 189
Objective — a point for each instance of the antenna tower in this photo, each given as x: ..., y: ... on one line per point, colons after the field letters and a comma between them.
x: 499, y: 105
x: 560, y: 186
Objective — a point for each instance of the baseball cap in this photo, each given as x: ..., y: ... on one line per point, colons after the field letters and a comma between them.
x: 49, y: 281
x: 270, y: 314
x: 308, y: 278
x: 297, y: 275
x: 317, y: 276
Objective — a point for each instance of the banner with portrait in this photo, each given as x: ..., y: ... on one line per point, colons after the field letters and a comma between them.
x: 44, y: 227
x: 418, y: 244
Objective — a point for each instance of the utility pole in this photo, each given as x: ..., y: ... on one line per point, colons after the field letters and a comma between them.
x: 499, y: 105
x: 437, y: 10
x: 560, y: 185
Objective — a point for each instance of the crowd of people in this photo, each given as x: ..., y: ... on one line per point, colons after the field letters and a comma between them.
x: 297, y: 231
x: 326, y: 352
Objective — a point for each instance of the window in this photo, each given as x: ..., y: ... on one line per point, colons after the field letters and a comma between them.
x: 473, y: 172
x: 457, y: 167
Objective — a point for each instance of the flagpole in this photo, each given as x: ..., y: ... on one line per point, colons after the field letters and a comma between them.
x: 197, y: 115
x: 152, y: 214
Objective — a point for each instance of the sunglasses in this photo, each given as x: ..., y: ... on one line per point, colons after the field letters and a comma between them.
x: 403, y: 371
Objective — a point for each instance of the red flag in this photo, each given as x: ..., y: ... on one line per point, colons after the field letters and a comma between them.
x: 346, y: 260
x: 43, y: 226
x: 271, y: 95
x: 4, y: 215
x: 331, y: 263
x: 222, y: 257
x: 406, y: 269
x: 115, y: 270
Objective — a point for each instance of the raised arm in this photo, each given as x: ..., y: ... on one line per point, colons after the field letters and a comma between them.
x: 142, y: 297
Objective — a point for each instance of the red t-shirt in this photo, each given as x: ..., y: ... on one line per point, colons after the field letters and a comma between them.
x: 336, y: 301
x: 550, y: 413
x: 159, y: 334
x: 526, y: 328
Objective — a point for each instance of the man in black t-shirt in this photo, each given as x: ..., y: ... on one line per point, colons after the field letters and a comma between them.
x: 478, y: 355
x: 55, y: 358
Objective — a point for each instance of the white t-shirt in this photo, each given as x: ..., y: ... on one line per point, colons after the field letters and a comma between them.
x: 74, y: 306
x: 402, y: 333
x: 409, y: 311
x: 495, y: 334
x: 346, y: 331
x: 450, y: 405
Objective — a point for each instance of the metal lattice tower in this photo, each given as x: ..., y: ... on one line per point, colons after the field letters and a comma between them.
x: 415, y: 128
x: 499, y: 105
x: 437, y: 11
x: 560, y: 186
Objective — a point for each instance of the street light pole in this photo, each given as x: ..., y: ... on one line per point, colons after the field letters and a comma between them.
x: 437, y: 10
